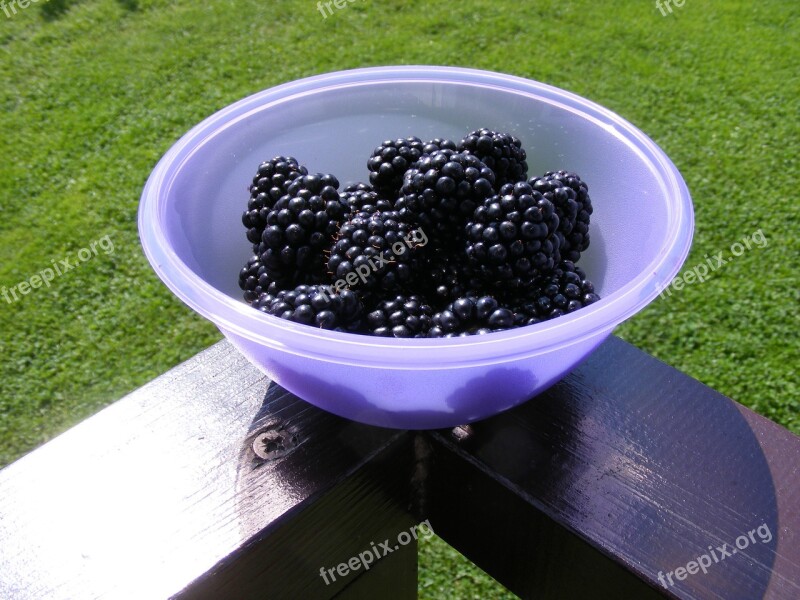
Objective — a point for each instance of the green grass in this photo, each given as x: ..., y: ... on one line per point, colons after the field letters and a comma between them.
x: 94, y: 92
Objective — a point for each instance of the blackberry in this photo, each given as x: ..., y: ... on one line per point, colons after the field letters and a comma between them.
x: 389, y: 161
x: 563, y: 291
x: 300, y: 228
x: 312, y: 305
x: 375, y: 251
x: 254, y: 280
x: 511, y: 239
x: 435, y: 144
x: 503, y: 253
x: 471, y: 315
x: 270, y: 183
x: 364, y: 199
x: 358, y: 186
x: 314, y: 183
x: 570, y: 196
x: 443, y: 278
x: 442, y: 192
x: 501, y: 152
x: 401, y: 317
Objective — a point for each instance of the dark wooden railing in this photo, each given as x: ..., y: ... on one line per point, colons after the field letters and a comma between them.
x: 627, y: 479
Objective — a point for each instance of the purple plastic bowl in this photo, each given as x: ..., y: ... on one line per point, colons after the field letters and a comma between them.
x: 190, y: 227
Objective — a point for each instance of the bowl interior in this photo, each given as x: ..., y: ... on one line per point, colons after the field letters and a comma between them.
x: 334, y: 129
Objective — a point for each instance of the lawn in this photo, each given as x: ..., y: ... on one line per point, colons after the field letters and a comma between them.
x: 94, y: 92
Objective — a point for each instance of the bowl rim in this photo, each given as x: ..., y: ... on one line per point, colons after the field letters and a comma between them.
x: 236, y: 317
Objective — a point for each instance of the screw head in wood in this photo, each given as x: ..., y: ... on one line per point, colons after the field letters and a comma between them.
x: 274, y: 443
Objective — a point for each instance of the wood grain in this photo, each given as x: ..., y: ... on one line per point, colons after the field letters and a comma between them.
x: 211, y: 482
x: 646, y: 465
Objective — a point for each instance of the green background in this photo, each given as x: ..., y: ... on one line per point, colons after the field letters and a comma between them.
x: 94, y: 92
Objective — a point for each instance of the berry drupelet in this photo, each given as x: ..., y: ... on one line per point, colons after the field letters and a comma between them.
x: 511, y: 239
x: 442, y: 192
x: 391, y: 160
x: 401, y: 317
x: 573, y: 205
x: 309, y: 305
x: 270, y: 183
x: 501, y: 152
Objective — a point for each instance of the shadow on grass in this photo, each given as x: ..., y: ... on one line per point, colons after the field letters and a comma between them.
x: 131, y: 5
x: 55, y: 9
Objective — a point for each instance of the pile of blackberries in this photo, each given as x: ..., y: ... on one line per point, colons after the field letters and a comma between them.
x: 447, y: 239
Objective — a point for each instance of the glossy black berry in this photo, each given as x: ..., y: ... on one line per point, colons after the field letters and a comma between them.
x: 254, y: 280
x: 442, y: 192
x: 564, y: 290
x: 375, y: 250
x: 501, y: 152
x: 389, y: 161
x: 312, y: 184
x: 470, y: 315
x: 436, y: 144
x: 511, y: 238
x: 573, y: 205
x: 446, y: 240
x: 271, y: 181
x: 444, y: 277
x: 401, y: 317
x: 300, y: 228
x: 313, y: 305
x: 362, y: 198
